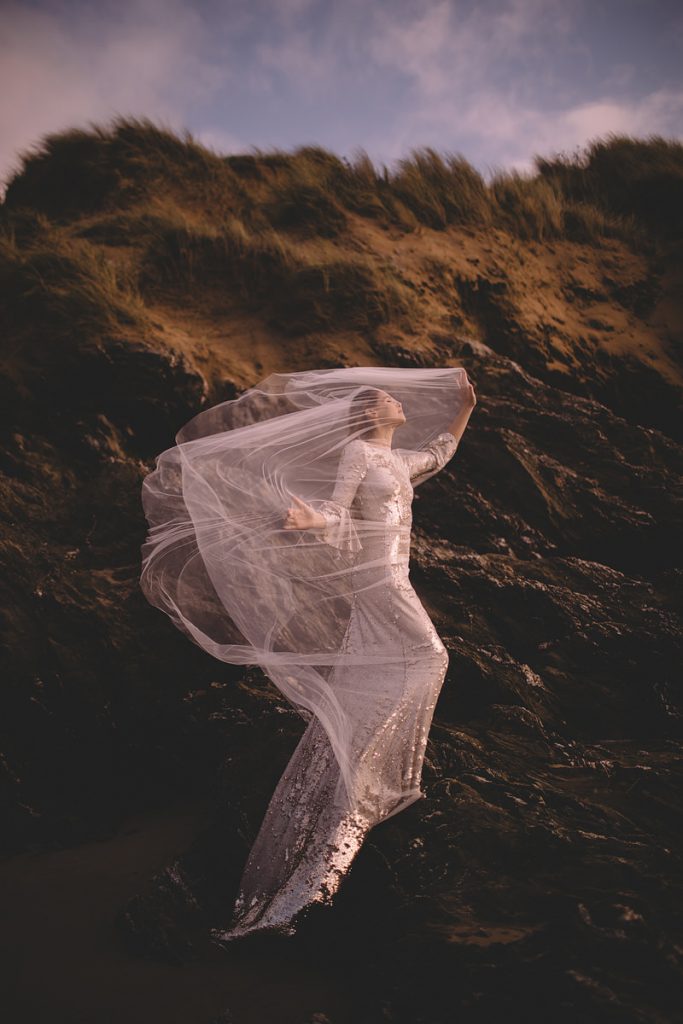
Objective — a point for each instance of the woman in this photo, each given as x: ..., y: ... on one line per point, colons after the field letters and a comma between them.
x: 323, y: 595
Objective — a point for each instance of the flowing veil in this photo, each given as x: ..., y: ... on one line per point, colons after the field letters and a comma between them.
x: 217, y: 558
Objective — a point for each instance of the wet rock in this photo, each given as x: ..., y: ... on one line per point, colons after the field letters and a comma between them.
x: 541, y: 875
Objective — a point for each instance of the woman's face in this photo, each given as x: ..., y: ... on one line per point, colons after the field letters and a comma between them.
x: 389, y: 409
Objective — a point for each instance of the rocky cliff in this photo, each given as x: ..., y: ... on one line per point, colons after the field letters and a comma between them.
x: 145, y: 277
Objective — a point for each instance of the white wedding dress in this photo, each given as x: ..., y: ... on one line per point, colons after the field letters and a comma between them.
x: 309, y: 836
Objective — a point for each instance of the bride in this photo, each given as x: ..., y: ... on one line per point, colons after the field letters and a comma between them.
x: 318, y: 593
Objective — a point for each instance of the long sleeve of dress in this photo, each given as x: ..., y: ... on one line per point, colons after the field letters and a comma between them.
x: 339, y: 530
x: 428, y: 461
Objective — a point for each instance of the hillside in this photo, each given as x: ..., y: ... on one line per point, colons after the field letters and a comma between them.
x: 145, y: 277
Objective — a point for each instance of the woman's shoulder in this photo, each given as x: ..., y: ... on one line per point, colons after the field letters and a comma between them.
x: 355, y: 451
x: 355, y: 446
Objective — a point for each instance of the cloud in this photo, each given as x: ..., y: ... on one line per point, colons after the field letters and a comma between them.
x: 507, y: 134
x: 421, y: 48
x: 499, y: 79
x: 446, y: 46
x: 60, y: 73
x: 659, y: 112
x: 298, y: 59
x: 494, y: 78
x: 221, y: 142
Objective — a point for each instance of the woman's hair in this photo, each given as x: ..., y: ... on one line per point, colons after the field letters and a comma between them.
x: 360, y: 405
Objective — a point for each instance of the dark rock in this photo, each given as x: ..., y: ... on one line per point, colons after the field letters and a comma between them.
x: 541, y: 877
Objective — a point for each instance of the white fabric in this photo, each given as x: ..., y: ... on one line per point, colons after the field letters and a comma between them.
x: 329, y: 613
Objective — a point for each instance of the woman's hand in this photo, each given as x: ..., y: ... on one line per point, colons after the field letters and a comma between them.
x: 470, y: 398
x: 302, y: 516
x: 457, y: 427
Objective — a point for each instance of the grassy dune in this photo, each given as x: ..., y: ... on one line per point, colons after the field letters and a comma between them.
x: 129, y: 226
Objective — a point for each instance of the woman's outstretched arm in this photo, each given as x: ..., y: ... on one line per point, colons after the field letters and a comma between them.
x: 429, y: 460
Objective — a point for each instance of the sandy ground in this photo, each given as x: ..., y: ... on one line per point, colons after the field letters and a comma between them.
x: 221, y: 340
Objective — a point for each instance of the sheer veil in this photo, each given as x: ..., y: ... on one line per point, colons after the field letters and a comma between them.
x: 218, y: 559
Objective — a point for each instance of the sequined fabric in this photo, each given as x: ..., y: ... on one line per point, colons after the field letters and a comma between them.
x: 311, y: 833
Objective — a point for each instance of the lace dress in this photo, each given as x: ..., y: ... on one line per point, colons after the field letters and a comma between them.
x: 308, y: 838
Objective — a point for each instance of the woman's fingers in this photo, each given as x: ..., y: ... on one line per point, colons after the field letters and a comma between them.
x: 291, y: 521
x: 291, y: 517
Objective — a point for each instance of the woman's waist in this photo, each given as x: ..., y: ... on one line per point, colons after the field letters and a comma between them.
x: 393, y: 545
x: 384, y: 559
x: 379, y: 527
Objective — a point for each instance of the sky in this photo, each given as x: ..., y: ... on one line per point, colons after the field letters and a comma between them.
x: 496, y: 81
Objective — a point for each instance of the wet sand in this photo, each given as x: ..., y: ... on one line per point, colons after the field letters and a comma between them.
x: 63, y: 961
